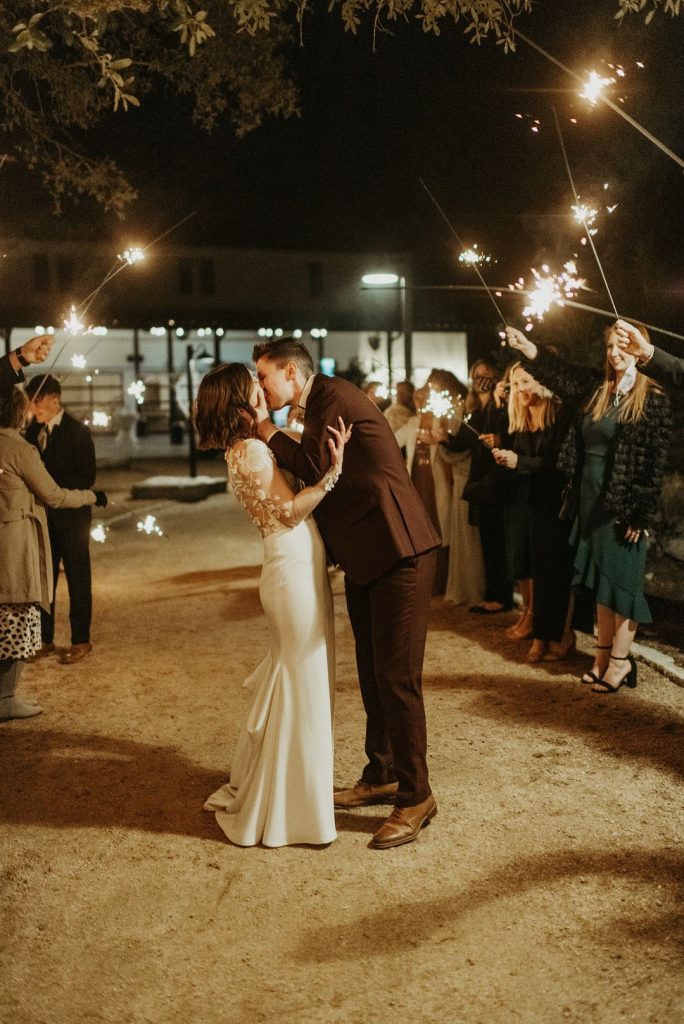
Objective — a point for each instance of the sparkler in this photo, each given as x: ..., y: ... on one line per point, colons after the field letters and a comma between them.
x: 604, y: 99
x: 78, y: 362
x: 72, y: 323
x: 129, y: 257
x: 439, y: 403
x: 574, y: 192
x: 463, y: 249
x: 550, y: 289
x: 472, y: 256
x: 100, y: 419
x: 99, y: 533
x: 137, y: 391
x: 133, y: 255
x: 150, y: 526
x: 519, y: 289
x: 594, y: 87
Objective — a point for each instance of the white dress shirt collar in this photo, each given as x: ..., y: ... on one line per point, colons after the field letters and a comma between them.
x: 306, y: 391
x: 55, y: 421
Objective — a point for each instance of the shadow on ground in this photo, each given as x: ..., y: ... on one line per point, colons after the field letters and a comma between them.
x: 404, y: 925
x: 67, y: 780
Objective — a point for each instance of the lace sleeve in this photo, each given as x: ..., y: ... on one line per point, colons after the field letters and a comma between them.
x: 259, y: 486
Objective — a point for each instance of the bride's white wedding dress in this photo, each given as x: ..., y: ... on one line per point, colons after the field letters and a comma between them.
x: 281, y: 781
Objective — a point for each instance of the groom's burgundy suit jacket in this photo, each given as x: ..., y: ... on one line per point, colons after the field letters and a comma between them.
x: 373, y: 517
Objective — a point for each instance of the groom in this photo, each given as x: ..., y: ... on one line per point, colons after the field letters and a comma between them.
x: 375, y: 527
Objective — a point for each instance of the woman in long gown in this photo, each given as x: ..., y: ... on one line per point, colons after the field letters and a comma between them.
x: 280, y: 789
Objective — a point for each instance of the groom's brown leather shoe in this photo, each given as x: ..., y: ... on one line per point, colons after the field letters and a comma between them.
x: 404, y: 824
x: 363, y: 795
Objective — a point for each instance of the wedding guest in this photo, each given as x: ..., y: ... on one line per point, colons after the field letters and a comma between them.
x: 654, y: 362
x: 614, y: 457
x: 403, y: 406
x: 68, y: 453
x: 25, y: 563
x: 537, y: 541
x: 486, y: 429
x: 377, y: 392
x: 428, y: 466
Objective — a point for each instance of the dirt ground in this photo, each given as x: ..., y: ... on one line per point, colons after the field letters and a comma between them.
x: 546, y: 889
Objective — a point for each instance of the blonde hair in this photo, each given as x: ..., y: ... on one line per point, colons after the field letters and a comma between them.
x: 529, y: 418
x: 632, y: 405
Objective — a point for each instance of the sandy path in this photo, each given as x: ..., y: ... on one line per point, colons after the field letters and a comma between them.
x: 545, y: 890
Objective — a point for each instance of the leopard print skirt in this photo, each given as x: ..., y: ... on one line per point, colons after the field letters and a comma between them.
x: 19, y: 630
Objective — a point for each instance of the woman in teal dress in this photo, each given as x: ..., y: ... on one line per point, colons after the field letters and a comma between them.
x: 614, y: 460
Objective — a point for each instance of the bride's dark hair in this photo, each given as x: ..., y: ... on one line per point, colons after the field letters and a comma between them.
x: 222, y: 413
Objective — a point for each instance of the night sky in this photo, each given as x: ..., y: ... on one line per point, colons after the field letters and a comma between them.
x: 346, y: 173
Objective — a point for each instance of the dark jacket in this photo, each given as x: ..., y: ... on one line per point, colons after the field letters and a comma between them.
x: 8, y: 377
x: 538, y: 453
x: 70, y: 453
x: 485, y: 481
x: 638, y: 451
x: 665, y: 368
x: 373, y: 517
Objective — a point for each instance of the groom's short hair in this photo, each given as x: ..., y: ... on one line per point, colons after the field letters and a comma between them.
x: 285, y: 350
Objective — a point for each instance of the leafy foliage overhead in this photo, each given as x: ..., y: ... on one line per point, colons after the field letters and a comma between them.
x: 68, y: 63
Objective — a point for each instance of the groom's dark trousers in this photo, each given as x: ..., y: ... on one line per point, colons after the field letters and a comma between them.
x: 376, y: 529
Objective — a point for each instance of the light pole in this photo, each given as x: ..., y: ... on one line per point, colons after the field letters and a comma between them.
x: 387, y: 279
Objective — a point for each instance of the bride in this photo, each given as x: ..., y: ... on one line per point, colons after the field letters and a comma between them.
x: 280, y: 790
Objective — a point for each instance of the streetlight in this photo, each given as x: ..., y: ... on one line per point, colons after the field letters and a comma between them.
x: 387, y: 279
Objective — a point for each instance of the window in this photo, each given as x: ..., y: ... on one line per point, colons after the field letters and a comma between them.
x: 185, y: 276
x: 315, y: 280
x: 41, y: 272
x: 207, y: 283
x: 65, y: 273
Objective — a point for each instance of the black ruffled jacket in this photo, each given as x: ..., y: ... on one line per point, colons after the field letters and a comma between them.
x: 638, y: 452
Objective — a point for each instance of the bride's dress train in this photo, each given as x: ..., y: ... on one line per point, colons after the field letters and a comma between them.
x: 280, y: 790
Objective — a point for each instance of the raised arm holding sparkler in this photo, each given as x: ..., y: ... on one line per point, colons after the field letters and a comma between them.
x: 662, y: 366
x: 35, y: 350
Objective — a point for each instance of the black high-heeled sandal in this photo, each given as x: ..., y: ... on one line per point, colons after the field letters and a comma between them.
x: 629, y: 680
x: 593, y: 677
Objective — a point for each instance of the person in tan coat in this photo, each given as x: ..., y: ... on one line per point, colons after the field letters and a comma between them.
x: 25, y: 560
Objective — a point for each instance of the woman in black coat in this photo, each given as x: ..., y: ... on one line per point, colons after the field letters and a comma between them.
x: 535, y: 535
x: 614, y: 459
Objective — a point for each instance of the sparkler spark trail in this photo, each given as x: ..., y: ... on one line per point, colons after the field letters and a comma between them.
x: 149, y: 526
x: 586, y: 228
x: 472, y: 256
x: 99, y: 533
x: 439, y: 403
x: 518, y: 289
x: 137, y: 391
x: 463, y: 248
x: 133, y: 255
x: 594, y: 87
x: 551, y: 289
x: 120, y: 264
x: 73, y: 324
x: 604, y: 99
